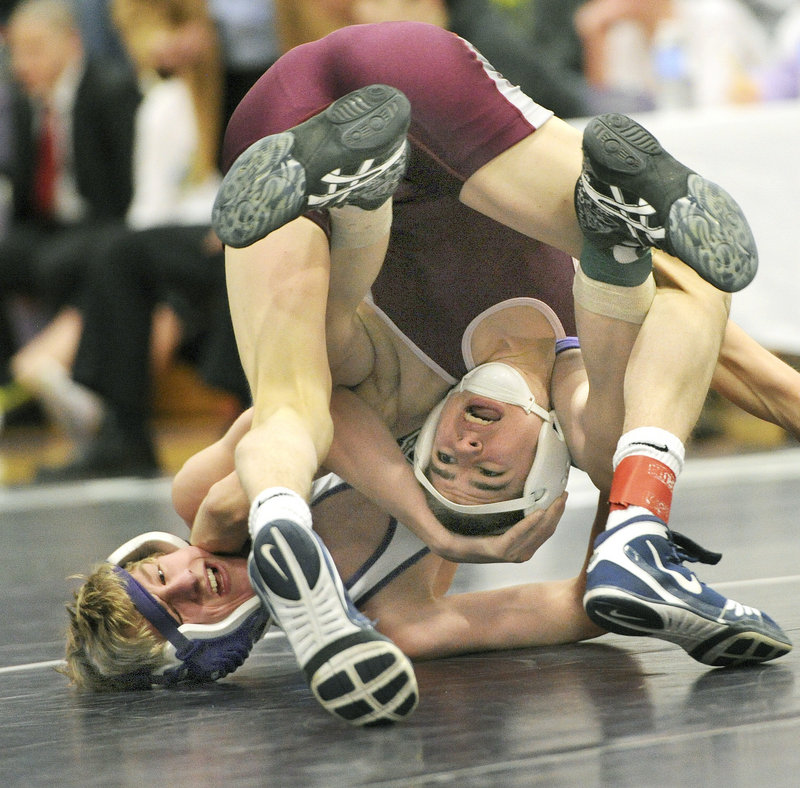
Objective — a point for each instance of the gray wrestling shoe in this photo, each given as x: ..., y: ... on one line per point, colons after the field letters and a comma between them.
x: 356, y: 673
x: 633, y: 193
x: 352, y: 153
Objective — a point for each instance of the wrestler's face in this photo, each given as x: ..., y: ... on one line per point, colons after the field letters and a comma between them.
x: 483, y: 449
x: 196, y: 586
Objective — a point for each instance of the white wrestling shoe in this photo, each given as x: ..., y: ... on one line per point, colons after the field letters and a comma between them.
x: 637, y: 585
x: 352, y: 153
x: 356, y: 673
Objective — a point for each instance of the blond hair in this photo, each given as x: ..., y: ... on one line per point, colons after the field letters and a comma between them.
x: 109, y: 643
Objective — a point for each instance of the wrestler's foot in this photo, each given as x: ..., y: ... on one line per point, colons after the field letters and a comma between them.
x: 352, y: 153
x: 637, y: 585
x: 356, y: 673
x: 633, y: 193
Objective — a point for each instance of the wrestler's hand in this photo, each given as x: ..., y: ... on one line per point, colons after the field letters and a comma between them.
x: 516, y: 545
x: 220, y: 525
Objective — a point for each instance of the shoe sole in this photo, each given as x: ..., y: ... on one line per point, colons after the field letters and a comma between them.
x: 703, y: 224
x: 354, y: 672
x: 353, y: 152
x: 706, y: 640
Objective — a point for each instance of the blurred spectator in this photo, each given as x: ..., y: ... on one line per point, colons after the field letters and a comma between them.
x: 177, y: 131
x: 510, y: 49
x: 244, y: 29
x: 167, y: 257
x: 683, y: 52
x: 781, y: 80
x: 114, y: 358
x: 72, y: 129
x: 250, y: 44
x: 100, y: 35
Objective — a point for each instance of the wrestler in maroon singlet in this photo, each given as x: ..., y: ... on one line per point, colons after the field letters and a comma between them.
x: 446, y: 263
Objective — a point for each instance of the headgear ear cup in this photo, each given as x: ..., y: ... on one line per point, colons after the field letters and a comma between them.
x: 550, y: 470
x: 215, y: 650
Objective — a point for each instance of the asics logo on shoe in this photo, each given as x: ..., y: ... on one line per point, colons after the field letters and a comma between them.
x: 266, y: 551
x: 339, y: 186
x: 693, y: 586
x: 636, y: 215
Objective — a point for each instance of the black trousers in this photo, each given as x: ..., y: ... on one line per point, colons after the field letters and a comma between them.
x: 129, y: 275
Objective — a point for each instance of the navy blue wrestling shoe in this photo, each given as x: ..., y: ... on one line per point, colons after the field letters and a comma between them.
x: 631, y: 192
x: 352, y: 153
x: 356, y: 673
x: 637, y: 585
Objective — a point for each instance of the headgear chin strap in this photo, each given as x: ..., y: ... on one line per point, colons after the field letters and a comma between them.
x: 193, y: 652
x: 548, y: 475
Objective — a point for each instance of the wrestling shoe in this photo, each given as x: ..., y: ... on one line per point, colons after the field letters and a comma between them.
x: 352, y: 153
x: 636, y: 585
x: 356, y: 673
x: 631, y: 192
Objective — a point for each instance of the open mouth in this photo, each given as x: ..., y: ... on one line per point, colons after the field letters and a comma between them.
x: 482, y: 414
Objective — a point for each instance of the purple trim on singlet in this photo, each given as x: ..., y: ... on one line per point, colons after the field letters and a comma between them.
x: 567, y: 343
x: 386, y: 578
x: 398, y: 550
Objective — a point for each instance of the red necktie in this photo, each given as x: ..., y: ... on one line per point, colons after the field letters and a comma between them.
x: 44, y: 185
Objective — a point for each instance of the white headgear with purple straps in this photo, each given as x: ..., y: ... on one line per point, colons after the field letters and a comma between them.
x: 192, y: 652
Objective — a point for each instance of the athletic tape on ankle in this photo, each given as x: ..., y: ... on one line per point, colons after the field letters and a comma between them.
x: 354, y: 228
x: 630, y: 304
x: 277, y: 503
x: 643, y: 481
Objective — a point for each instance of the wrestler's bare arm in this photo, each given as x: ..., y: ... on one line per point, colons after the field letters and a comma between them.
x: 758, y: 381
x: 208, y: 496
x: 365, y: 453
x: 428, y: 624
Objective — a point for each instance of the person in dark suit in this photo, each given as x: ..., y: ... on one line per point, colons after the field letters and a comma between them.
x: 71, y: 168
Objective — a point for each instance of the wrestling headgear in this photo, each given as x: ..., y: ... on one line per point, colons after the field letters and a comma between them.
x: 548, y: 475
x: 193, y: 652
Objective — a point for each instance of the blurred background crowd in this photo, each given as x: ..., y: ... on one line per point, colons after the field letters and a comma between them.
x: 116, y: 351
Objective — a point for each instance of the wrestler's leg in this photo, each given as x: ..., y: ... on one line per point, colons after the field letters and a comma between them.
x: 278, y: 289
x: 359, y: 240
x: 637, y: 583
x: 530, y: 186
x: 636, y: 378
